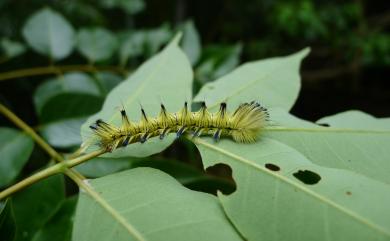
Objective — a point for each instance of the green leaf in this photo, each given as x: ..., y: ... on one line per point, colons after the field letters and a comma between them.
x: 283, y: 196
x: 63, y: 133
x: 155, y: 205
x: 133, y: 45
x: 129, y: 6
x: 357, y: 120
x: 7, y: 221
x: 107, y: 81
x: 15, y: 149
x: 48, y: 33
x: 143, y: 42
x: 35, y: 205
x: 64, y: 103
x: 167, y: 78
x: 191, y: 41
x: 59, y: 226
x: 12, y: 49
x: 74, y: 82
x: 218, y: 60
x: 275, y: 82
x: 96, y: 44
x: 355, y: 141
x: 99, y: 167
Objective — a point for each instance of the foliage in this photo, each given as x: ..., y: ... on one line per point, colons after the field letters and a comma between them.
x: 324, y: 180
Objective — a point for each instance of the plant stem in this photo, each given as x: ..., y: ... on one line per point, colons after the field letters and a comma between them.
x: 56, y: 69
x: 22, y: 125
x: 55, y: 169
x: 31, y: 180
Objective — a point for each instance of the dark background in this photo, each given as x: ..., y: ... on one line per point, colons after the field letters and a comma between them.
x: 350, y: 42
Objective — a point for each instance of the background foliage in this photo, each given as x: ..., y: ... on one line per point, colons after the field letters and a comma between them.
x: 80, y: 50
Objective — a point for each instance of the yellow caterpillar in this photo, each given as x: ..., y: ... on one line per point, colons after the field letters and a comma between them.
x: 244, y: 125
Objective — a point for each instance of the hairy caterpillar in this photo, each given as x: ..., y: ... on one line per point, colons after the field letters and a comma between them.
x: 244, y: 125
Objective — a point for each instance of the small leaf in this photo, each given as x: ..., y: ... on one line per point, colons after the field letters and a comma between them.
x: 218, y: 60
x: 48, y: 33
x: 63, y: 133
x: 12, y: 49
x: 155, y: 205
x: 133, y: 45
x: 7, y: 221
x: 297, y: 200
x: 35, y: 205
x: 191, y: 41
x: 96, y: 44
x: 167, y: 78
x: 107, y: 81
x: 59, y: 226
x: 73, y: 82
x: 274, y: 82
x: 15, y: 149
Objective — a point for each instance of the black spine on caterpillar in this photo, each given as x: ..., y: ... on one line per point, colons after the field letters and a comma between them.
x: 244, y: 125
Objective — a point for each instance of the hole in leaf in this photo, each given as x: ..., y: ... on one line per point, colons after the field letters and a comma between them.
x: 323, y: 124
x: 307, y: 177
x: 272, y: 167
x: 220, y: 178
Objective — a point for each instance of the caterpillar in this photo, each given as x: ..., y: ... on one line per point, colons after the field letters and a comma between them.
x: 244, y: 125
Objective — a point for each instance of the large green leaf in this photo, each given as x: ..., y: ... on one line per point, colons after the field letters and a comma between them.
x: 283, y: 196
x: 167, y: 78
x: 59, y: 226
x: 354, y: 141
x: 275, y: 82
x: 7, y: 221
x: 35, y: 205
x: 48, y: 33
x: 96, y: 44
x: 15, y: 149
x: 155, y: 205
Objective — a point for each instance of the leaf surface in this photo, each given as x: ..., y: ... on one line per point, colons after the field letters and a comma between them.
x: 275, y: 82
x: 50, y: 34
x: 354, y: 141
x: 283, y: 196
x: 155, y: 205
x: 15, y: 149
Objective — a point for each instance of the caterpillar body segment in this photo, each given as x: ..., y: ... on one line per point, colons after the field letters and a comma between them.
x: 243, y: 125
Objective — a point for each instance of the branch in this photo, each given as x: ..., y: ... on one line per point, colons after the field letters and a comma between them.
x: 42, y: 143
x: 59, y: 69
x: 61, y: 167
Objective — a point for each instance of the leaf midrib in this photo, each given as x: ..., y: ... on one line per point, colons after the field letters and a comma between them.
x: 323, y: 199
x: 327, y: 130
